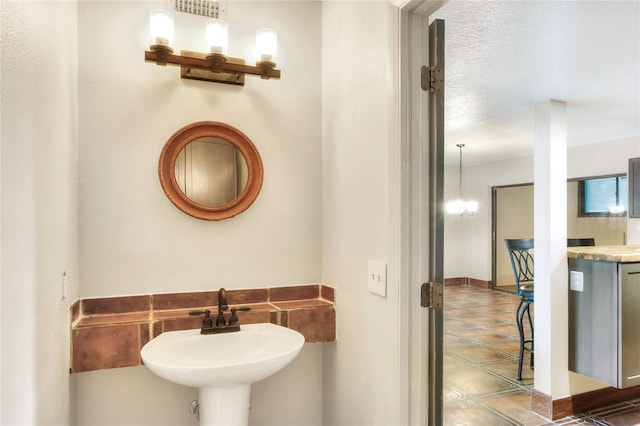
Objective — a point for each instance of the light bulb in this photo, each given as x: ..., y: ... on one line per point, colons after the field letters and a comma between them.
x: 472, y: 206
x: 161, y: 27
x: 217, y: 34
x: 455, y: 207
x: 266, y: 45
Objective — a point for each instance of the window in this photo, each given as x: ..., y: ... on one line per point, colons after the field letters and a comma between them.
x: 603, y: 196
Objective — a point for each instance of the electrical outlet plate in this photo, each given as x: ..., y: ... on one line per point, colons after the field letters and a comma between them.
x: 576, y: 281
x: 377, y: 278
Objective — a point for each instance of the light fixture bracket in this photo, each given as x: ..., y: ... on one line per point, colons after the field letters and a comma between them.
x: 216, y: 61
x: 162, y: 53
x: 201, y: 66
x: 268, y: 69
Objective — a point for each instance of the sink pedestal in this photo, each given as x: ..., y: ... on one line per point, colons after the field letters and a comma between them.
x: 224, y: 406
x: 222, y: 366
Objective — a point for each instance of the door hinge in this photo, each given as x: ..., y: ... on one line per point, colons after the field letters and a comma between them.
x: 432, y: 79
x: 431, y: 295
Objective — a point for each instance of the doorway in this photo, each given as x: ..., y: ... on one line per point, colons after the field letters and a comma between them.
x: 490, y: 100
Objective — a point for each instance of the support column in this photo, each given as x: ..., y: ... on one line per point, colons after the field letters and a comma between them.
x: 550, y: 233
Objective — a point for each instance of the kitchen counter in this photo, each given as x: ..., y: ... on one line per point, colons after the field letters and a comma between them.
x: 619, y: 254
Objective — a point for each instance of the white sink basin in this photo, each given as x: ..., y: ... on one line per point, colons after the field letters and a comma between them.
x: 222, y: 360
x: 222, y: 366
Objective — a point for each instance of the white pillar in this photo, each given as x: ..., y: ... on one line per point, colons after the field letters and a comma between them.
x: 550, y: 233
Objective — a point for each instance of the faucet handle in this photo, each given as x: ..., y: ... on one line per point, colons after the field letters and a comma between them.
x: 205, y: 312
x: 207, y: 322
x: 234, y: 318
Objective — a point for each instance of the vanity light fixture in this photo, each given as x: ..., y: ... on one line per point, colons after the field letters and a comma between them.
x: 459, y: 206
x: 215, y: 65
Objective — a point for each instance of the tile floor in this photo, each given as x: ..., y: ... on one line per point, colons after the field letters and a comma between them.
x: 480, y: 364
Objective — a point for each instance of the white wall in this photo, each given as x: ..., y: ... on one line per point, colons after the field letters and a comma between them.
x: 467, y: 241
x: 360, y: 169
x: 602, y: 159
x: 468, y: 238
x: 39, y: 208
x: 132, y: 240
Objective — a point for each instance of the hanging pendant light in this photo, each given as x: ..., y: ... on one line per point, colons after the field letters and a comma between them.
x: 459, y: 206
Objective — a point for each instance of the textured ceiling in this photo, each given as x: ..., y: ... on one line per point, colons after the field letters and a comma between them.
x: 503, y: 57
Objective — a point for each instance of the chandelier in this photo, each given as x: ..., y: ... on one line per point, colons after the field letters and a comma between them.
x: 460, y: 206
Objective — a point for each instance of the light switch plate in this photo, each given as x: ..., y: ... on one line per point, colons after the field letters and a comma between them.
x: 576, y: 281
x: 377, y: 278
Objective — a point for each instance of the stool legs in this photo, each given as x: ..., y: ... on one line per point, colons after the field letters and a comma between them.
x: 523, y: 308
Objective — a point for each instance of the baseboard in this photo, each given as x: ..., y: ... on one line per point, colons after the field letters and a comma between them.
x: 542, y: 404
x: 479, y: 283
x: 455, y: 281
x: 472, y: 282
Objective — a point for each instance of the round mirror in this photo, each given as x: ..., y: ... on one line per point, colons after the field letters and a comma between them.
x: 210, y: 170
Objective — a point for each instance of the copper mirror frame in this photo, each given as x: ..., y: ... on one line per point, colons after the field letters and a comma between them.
x: 191, y: 132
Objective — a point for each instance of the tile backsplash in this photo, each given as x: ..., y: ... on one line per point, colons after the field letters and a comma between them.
x: 109, y: 332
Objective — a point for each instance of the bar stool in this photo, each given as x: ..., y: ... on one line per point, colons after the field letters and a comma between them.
x: 521, y: 256
x: 580, y: 242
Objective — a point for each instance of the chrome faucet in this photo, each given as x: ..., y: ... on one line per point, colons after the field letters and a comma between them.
x: 221, y: 325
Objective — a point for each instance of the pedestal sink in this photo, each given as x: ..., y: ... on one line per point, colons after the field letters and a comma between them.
x: 222, y: 366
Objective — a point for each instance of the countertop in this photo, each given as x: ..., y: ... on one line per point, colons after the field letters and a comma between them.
x: 620, y: 254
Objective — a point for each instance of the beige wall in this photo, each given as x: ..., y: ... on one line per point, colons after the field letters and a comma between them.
x: 468, y: 238
x: 39, y: 209
x: 514, y: 217
x: 360, y: 209
x: 133, y: 240
x: 117, y: 111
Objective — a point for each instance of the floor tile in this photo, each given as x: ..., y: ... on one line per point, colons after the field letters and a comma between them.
x: 472, y: 415
x: 451, y: 340
x: 624, y: 414
x: 449, y: 361
x: 455, y: 324
x: 508, y: 329
x: 508, y: 371
x: 479, y: 334
x: 480, y: 365
x: 478, y: 354
x: 631, y: 418
x: 451, y: 396
x: 476, y: 382
x: 512, y: 347
x: 454, y: 312
x: 515, y: 406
